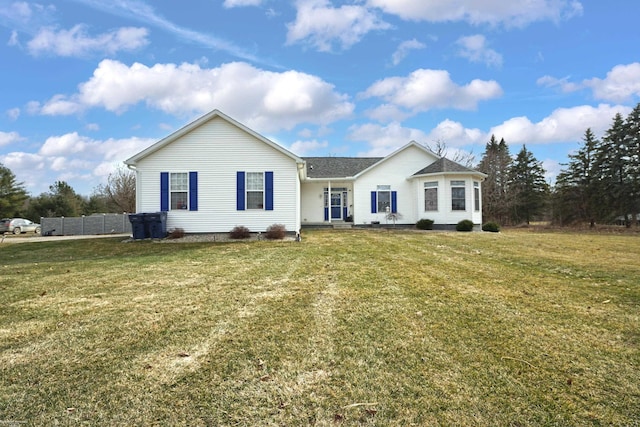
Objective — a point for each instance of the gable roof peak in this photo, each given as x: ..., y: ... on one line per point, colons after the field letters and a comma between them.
x: 444, y: 165
x: 199, y: 122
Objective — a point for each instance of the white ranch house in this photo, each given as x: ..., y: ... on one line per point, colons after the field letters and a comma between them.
x: 215, y: 173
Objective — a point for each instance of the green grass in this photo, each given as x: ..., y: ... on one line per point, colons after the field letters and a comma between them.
x: 344, y: 328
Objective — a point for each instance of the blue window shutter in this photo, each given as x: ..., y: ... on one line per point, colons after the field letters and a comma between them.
x: 193, y: 191
x: 268, y: 194
x: 326, y: 213
x: 164, y: 191
x: 394, y: 202
x: 374, y: 203
x: 240, y: 191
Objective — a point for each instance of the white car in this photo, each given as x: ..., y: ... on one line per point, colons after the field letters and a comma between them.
x: 18, y: 225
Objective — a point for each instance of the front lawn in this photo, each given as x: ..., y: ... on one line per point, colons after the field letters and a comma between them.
x: 344, y: 328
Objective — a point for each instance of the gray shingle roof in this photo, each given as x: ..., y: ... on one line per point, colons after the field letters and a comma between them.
x: 338, y: 167
x: 443, y: 165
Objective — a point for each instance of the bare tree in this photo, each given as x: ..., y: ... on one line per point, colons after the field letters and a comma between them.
x: 440, y: 148
x: 120, y: 190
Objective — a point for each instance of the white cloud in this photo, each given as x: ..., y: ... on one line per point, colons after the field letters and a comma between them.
x: 28, y: 168
x: 239, y: 3
x: 13, y: 113
x: 384, y: 140
x: 387, y: 113
x: 72, y: 157
x: 621, y: 84
x: 321, y: 25
x: 303, y: 147
x: 404, y: 48
x: 58, y: 105
x: 425, y: 89
x: 563, y: 84
x: 492, y: 12
x: 13, y: 40
x: 70, y: 143
x: 7, y: 138
x: 454, y: 134
x: 263, y: 100
x: 145, y: 13
x: 562, y: 125
x: 475, y: 49
x: 19, y: 11
x: 87, y: 148
x: 76, y: 41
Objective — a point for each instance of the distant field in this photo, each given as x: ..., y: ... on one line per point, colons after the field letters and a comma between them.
x: 381, y: 328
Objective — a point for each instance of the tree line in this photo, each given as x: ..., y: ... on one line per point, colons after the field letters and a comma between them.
x: 116, y: 196
x: 599, y: 184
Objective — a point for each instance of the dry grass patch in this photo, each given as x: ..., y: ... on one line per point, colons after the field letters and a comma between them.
x: 343, y: 328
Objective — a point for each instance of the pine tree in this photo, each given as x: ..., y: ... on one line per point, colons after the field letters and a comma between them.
x: 575, y: 193
x: 12, y: 194
x: 527, y: 186
x: 62, y: 200
x: 632, y: 144
x: 495, y: 197
x: 610, y: 172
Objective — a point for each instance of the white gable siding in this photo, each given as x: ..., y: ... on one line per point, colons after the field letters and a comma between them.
x: 395, y: 172
x: 217, y: 150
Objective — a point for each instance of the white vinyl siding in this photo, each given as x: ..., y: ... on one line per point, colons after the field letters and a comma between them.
x: 217, y: 150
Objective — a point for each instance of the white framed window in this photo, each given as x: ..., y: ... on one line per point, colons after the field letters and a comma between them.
x: 458, y: 196
x: 384, y: 198
x: 476, y: 196
x: 179, y: 190
x: 431, y: 196
x: 255, y: 190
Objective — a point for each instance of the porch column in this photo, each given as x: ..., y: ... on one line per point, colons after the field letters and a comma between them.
x: 329, y: 199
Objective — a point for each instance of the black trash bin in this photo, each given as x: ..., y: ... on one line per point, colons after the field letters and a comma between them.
x: 157, y: 224
x: 138, y: 226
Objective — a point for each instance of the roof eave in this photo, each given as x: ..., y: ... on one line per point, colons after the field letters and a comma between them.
x: 347, y: 178
x: 473, y: 173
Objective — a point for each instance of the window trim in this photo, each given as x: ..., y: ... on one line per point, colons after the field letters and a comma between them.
x: 375, y: 199
x: 461, y: 204
x: 476, y: 196
x: 173, y: 191
x: 248, y: 190
x: 431, y: 185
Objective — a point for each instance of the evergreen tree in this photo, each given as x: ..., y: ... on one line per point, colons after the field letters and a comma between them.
x: 610, y: 173
x: 495, y: 197
x: 61, y: 200
x: 575, y: 196
x: 632, y: 144
x: 12, y: 194
x: 527, y: 186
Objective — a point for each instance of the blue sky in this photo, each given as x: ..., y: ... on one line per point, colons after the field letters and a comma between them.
x: 85, y: 84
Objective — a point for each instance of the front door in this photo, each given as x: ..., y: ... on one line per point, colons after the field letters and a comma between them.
x: 336, y: 205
